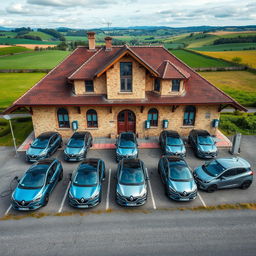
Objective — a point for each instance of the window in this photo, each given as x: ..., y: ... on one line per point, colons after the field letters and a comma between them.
x: 63, y: 118
x: 92, y: 119
x: 126, y: 76
x: 189, y: 115
x: 89, y: 86
x: 175, y: 85
x: 153, y: 117
x: 157, y: 85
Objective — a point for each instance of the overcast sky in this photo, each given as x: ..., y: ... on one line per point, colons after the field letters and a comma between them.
x: 95, y: 13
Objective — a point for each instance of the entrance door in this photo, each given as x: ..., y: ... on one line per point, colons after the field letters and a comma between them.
x: 126, y: 121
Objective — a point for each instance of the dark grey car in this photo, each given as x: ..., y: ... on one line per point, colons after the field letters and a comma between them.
x: 77, y: 146
x: 126, y: 146
x: 45, y: 145
x: 203, y: 144
x: 172, y: 144
x: 224, y: 173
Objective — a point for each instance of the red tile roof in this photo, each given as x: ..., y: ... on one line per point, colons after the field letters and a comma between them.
x: 54, y: 90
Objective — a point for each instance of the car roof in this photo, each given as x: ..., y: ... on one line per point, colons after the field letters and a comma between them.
x: 79, y: 135
x: 172, y: 133
x: 91, y: 161
x: 174, y: 158
x: 202, y: 132
x: 132, y: 163
x: 233, y: 162
x: 46, y: 135
x: 127, y: 134
x: 38, y: 165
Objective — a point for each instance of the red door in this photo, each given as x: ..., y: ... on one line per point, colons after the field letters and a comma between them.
x: 126, y: 121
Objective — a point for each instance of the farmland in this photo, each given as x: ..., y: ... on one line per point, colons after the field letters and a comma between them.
x: 226, y: 47
x: 24, y: 41
x: 33, y: 60
x: 238, y: 84
x: 12, y: 50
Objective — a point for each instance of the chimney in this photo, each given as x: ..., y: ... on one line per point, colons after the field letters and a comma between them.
x: 108, y: 42
x: 91, y: 39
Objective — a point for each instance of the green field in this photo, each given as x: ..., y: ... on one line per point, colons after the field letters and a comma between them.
x: 12, y: 50
x: 173, y: 46
x: 76, y: 38
x: 7, y: 34
x: 238, y: 84
x: 196, y: 61
x: 24, y: 41
x: 33, y: 60
x: 13, y: 85
x: 42, y: 35
x: 226, y: 47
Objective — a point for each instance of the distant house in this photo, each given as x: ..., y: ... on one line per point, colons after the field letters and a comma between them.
x: 111, y: 89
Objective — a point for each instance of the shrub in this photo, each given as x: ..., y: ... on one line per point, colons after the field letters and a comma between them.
x: 5, y: 130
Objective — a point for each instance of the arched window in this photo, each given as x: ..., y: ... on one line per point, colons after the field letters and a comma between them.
x: 92, y: 119
x: 63, y: 118
x: 189, y: 115
x: 153, y: 117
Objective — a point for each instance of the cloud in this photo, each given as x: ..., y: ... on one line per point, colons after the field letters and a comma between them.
x: 17, y: 9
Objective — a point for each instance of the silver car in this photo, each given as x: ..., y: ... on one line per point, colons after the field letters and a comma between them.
x: 224, y: 173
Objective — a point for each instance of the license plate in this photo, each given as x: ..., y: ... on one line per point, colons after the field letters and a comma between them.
x: 23, y: 209
x: 131, y: 204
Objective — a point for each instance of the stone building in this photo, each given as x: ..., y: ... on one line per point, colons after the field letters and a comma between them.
x: 109, y: 89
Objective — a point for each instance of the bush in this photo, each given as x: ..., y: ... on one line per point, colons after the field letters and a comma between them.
x: 22, y: 119
x: 6, y: 129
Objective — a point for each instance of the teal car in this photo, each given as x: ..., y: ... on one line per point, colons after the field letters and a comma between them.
x: 86, y: 184
x: 36, y: 185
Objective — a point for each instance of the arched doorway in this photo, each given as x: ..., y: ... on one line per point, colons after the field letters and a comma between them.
x: 126, y: 121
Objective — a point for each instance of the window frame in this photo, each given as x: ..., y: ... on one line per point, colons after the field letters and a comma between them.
x: 189, y: 113
x: 126, y: 78
x: 89, y: 85
x: 63, y: 123
x: 153, y: 122
x: 174, y: 86
x: 92, y: 114
x: 157, y: 84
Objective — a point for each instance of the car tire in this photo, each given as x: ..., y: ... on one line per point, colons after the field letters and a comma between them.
x: 211, y: 189
x: 61, y: 144
x: 246, y: 184
x: 61, y: 175
x: 46, y: 200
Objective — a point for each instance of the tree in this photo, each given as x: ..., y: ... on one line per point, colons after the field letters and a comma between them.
x: 237, y: 60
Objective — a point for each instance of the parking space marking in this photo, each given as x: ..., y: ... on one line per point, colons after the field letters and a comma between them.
x: 201, y: 199
x: 7, y: 211
x: 108, y: 190
x: 64, y: 198
x: 151, y: 191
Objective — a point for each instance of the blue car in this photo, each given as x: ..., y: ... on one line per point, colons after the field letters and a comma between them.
x: 45, y: 145
x: 34, y: 188
x: 86, y: 184
x: 77, y: 146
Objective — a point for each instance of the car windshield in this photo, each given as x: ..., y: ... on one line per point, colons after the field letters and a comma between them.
x: 132, y: 174
x: 75, y: 143
x: 213, y: 168
x: 179, y: 171
x: 40, y: 143
x: 34, y: 178
x: 127, y: 141
x: 174, y: 141
x: 86, y: 175
x: 205, y: 140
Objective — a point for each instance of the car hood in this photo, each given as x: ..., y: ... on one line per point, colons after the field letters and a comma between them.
x: 130, y: 190
x: 20, y: 194
x: 85, y: 192
x: 181, y: 186
x: 73, y: 151
x: 175, y: 149
x: 35, y: 151
x: 207, y: 148
x: 200, y: 173
x: 126, y: 151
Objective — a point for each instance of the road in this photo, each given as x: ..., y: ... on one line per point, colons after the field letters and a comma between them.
x: 124, y: 233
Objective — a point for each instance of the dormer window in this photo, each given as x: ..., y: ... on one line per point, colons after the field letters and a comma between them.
x: 89, y: 86
x: 175, y: 85
x: 126, y: 76
x: 157, y: 84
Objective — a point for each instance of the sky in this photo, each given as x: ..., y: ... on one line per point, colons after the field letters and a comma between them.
x: 122, y: 13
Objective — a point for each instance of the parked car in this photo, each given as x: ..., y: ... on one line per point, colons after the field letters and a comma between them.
x: 34, y: 188
x: 224, y: 173
x: 177, y: 178
x: 203, y: 144
x: 126, y: 146
x: 131, y: 187
x: 45, y: 145
x: 77, y: 146
x: 86, y: 184
x: 172, y: 144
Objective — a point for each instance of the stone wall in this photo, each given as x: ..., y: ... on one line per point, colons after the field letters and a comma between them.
x: 166, y: 86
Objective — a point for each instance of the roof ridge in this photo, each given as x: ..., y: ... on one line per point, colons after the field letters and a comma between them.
x: 165, y: 68
x: 44, y: 76
x: 177, y: 68
x: 100, y: 49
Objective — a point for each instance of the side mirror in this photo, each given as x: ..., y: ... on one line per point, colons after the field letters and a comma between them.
x: 30, y: 144
x: 17, y: 179
x: 70, y: 176
x: 147, y: 178
x: 103, y: 179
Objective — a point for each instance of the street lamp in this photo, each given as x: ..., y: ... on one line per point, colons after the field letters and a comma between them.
x: 7, y: 117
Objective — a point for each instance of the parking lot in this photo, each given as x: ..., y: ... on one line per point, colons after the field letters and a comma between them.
x: 12, y: 166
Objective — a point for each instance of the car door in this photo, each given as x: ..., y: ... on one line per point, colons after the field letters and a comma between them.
x: 51, y: 145
x: 228, y: 179
x: 55, y: 141
x: 53, y: 176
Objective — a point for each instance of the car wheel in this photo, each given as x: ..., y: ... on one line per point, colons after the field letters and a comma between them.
x: 46, y: 200
x: 61, y: 144
x: 211, y: 189
x: 246, y: 184
x: 61, y: 175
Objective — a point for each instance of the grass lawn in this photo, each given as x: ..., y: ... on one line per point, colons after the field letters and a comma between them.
x: 226, y: 47
x: 196, y: 61
x: 248, y: 57
x: 238, y: 84
x: 21, y: 131
x: 42, y: 59
x: 42, y: 35
x: 24, y: 41
x: 13, y: 85
x: 12, y: 50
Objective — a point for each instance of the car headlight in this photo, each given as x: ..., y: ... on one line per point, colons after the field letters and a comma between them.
x: 37, y: 199
x: 172, y: 189
x: 118, y: 194
x: 95, y: 196
x: 70, y: 195
x: 43, y: 153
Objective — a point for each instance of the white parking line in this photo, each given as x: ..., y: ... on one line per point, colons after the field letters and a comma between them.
x: 7, y: 211
x: 64, y: 198
x: 108, y: 190
x: 151, y: 192
x: 201, y: 199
